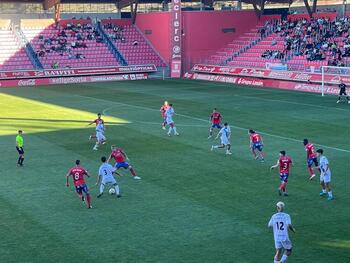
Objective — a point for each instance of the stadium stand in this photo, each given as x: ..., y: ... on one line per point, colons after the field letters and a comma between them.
x: 243, y: 42
x: 12, y: 55
x: 131, y: 44
x: 69, y: 44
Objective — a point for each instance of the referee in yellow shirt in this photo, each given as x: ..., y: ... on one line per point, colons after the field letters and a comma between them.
x: 19, y: 147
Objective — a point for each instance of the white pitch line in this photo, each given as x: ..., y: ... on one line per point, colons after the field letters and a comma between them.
x: 203, y: 120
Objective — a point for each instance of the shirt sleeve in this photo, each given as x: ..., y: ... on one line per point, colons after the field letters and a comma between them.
x: 288, y: 220
x: 270, y: 224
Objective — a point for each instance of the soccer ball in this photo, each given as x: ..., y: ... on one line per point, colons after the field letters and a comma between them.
x: 111, y: 191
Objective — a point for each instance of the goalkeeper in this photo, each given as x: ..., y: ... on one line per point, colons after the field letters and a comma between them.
x: 342, y: 92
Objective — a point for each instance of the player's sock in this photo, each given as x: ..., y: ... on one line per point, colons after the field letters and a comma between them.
x: 324, y: 191
x: 310, y: 170
x: 88, y: 199
x: 132, y: 171
x: 284, y: 258
x: 117, y: 191
x: 216, y: 146
x: 174, y: 129
x: 170, y: 129
x: 102, y: 187
x: 330, y: 194
x: 21, y: 162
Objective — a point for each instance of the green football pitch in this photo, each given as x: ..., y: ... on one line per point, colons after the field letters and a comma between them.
x: 192, y: 205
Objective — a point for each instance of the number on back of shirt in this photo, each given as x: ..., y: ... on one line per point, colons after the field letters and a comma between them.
x: 280, y: 225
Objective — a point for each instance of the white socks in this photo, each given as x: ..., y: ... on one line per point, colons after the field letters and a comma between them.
x: 284, y: 258
x: 102, y: 187
x: 117, y: 192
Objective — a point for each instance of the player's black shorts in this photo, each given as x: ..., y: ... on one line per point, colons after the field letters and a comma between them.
x: 20, y: 150
x: 342, y: 93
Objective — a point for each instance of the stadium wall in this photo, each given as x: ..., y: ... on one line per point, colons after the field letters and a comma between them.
x: 202, y: 31
x: 156, y: 28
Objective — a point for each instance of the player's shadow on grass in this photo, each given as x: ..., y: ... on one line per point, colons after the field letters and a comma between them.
x: 55, y: 120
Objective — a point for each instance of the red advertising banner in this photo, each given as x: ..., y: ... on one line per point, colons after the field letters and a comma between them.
x: 76, y: 72
x: 70, y: 80
x: 270, y: 83
x: 176, y: 29
x: 270, y: 74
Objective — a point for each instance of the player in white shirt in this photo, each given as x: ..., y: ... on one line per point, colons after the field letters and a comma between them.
x: 169, y: 113
x: 105, y: 176
x: 281, y: 224
x: 325, y: 176
x: 101, y: 139
x: 225, y: 135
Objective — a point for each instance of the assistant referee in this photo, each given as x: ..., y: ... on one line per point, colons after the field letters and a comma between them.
x: 19, y: 147
x: 342, y: 92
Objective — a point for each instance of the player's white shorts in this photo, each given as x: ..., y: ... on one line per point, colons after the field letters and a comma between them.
x: 225, y: 141
x: 100, y: 136
x: 169, y: 121
x: 287, y: 244
x: 326, y: 177
x: 109, y: 180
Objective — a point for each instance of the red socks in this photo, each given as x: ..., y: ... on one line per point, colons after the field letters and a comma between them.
x: 88, y: 199
x: 132, y: 171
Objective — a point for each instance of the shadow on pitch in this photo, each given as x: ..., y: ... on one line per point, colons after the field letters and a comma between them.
x: 55, y: 120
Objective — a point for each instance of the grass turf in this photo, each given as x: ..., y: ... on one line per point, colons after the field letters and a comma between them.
x: 192, y: 205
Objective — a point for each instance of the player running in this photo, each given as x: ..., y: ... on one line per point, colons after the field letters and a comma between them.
x: 19, y: 147
x: 78, y: 173
x: 163, y: 110
x: 105, y: 176
x: 281, y: 224
x: 169, y: 113
x: 256, y: 144
x: 96, y: 121
x: 342, y: 92
x: 225, y: 134
x: 215, y: 120
x: 121, y: 160
x: 325, y: 177
x: 101, y: 139
x: 284, y: 163
x: 311, y: 158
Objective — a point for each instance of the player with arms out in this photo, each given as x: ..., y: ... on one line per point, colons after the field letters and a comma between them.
x: 215, y: 120
x: 105, y: 176
x: 169, y: 113
x: 256, y: 144
x: 163, y: 110
x: 78, y: 173
x: 121, y: 160
x: 342, y: 92
x: 101, y: 139
x: 311, y: 158
x: 225, y: 135
x: 281, y: 224
x: 96, y: 121
x: 284, y: 163
x: 325, y: 176
x: 19, y: 147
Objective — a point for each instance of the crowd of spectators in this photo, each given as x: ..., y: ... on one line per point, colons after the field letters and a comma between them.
x: 66, y: 40
x: 316, y: 39
x: 116, y: 32
x: 273, y: 54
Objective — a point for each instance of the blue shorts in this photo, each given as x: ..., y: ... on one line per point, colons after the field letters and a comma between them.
x: 284, y: 177
x: 312, y: 161
x: 218, y: 126
x: 258, y: 146
x: 125, y: 165
x: 82, y: 188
